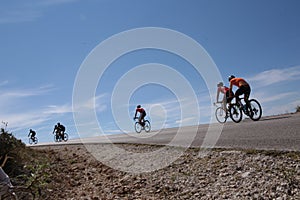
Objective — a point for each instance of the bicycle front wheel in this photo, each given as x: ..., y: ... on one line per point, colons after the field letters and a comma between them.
x: 255, y: 111
x: 138, y: 127
x: 221, y: 115
x: 30, y: 141
x: 56, y: 138
x: 147, y: 126
x: 236, y: 113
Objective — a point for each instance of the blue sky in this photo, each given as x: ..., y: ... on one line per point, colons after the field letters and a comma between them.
x: 44, y: 43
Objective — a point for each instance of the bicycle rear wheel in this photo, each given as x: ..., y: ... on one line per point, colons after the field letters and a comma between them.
x: 236, y: 113
x: 35, y: 140
x: 66, y: 137
x: 221, y: 115
x: 138, y: 127
x: 255, y: 112
x: 147, y: 126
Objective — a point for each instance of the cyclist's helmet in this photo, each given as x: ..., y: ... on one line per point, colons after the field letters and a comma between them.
x: 138, y: 106
x: 220, y: 84
x: 30, y: 130
x: 58, y: 124
x: 231, y: 77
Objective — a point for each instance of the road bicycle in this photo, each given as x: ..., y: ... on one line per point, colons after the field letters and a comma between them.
x: 58, y: 137
x: 220, y: 113
x: 33, y: 140
x: 236, y: 110
x: 138, y: 127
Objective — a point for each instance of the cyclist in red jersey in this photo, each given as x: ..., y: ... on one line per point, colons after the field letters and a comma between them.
x: 243, y: 88
x: 142, y: 112
x: 226, y: 97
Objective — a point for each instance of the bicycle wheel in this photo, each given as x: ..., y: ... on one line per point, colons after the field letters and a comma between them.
x: 236, y: 113
x: 35, y: 140
x: 56, y: 138
x: 147, y: 126
x: 255, y: 112
x: 138, y: 127
x: 66, y: 137
x: 30, y: 141
x: 221, y: 115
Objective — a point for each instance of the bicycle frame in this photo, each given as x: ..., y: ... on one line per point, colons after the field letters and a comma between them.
x: 139, y: 127
x: 240, y: 103
x: 142, y: 121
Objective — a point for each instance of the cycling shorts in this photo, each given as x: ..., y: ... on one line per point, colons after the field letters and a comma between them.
x: 244, y: 89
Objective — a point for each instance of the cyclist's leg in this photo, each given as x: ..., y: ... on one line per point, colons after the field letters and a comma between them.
x: 142, y: 116
x: 32, y: 137
x: 229, y: 97
x: 247, y: 91
x: 224, y: 102
x: 140, y: 119
x: 57, y: 134
x: 62, y: 134
x: 237, y: 94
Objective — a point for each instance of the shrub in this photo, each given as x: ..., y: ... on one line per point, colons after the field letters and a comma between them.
x: 26, y: 167
x: 298, y: 109
x: 14, y: 150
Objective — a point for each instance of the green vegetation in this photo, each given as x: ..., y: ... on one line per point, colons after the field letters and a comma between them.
x: 11, y: 153
x: 297, y: 109
x: 25, y: 167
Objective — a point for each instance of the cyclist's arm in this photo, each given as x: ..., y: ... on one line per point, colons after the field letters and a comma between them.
x: 230, y: 89
x: 218, y: 93
x: 135, y: 113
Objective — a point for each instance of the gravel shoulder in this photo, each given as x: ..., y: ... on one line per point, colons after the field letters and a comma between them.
x: 219, y: 174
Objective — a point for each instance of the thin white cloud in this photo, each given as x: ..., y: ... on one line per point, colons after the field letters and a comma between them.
x: 55, y: 109
x: 21, y: 93
x: 273, y: 76
x: 16, y: 16
x: 31, y: 10
x: 3, y: 83
x: 172, y: 110
x: 22, y: 117
x: 97, y: 103
x: 266, y: 98
x: 282, y: 109
x: 19, y: 121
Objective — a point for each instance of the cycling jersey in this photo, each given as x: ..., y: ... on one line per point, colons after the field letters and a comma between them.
x: 33, y: 133
x: 236, y: 81
x: 223, y: 89
x: 140, y: 110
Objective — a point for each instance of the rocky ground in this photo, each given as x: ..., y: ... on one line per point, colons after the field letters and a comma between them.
x: 220, y: 174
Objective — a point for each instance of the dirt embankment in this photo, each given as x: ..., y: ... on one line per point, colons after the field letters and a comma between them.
x: 222, y: 174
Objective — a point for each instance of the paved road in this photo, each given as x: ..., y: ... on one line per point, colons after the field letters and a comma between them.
x: 270, y: 133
